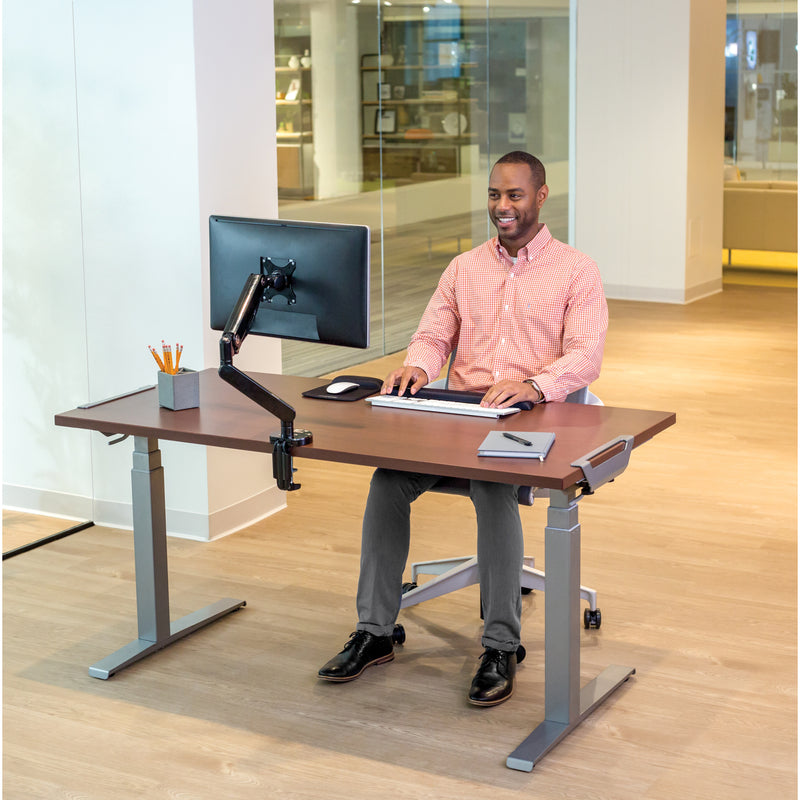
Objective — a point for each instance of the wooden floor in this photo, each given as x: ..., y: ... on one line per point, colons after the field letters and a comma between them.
x: 692, y: 551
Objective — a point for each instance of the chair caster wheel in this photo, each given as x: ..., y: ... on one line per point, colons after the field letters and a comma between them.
x: 407, y: 587
x: 398, y: 635
x: 591, y: 619
x: 521, y: 653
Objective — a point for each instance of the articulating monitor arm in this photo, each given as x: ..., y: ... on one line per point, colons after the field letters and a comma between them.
x: 236, y: 329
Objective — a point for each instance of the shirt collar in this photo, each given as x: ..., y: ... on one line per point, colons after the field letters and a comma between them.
x: 531, y: 249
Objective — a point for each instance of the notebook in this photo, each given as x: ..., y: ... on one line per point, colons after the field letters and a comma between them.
x: 517, y: 444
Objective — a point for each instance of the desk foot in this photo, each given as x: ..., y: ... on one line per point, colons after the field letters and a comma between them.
x: 140, y: 648
x: 549, y: 733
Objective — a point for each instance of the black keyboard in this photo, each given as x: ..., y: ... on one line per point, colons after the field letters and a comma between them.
x: 458, y: 396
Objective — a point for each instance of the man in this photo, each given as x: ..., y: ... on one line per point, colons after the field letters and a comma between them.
x: 527, y: 318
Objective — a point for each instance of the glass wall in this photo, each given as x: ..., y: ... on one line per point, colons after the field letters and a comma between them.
x: 391, y: 113
x: 761, y: 89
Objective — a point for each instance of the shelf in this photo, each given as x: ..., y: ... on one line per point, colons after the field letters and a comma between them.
x: 396, y: 67
x: 420, y: 101
x: 400, y: 138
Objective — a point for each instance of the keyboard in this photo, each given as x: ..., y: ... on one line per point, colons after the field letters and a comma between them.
x: 441, y: 406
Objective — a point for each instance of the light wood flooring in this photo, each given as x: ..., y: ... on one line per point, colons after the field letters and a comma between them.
x: 692, y: 551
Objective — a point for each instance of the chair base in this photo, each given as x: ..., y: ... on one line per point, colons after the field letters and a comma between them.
x: 457, y: 573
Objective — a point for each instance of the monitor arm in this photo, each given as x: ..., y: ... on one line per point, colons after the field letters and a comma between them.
x: 236, y: 329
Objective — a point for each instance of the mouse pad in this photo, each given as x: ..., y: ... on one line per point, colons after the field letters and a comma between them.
x: 366, y: 387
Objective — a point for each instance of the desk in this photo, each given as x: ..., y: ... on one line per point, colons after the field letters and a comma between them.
x: 356, y: 433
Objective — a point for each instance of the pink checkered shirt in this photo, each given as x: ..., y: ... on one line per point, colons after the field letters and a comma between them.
x: 544, y: 317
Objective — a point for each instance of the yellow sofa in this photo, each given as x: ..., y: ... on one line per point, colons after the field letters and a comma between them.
x: 759, y: 215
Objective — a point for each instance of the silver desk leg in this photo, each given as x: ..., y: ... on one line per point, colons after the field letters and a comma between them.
x: 152, y: 579
x: 566, y: 704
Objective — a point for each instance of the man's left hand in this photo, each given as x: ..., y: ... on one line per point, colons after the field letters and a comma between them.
x: 507, y: 393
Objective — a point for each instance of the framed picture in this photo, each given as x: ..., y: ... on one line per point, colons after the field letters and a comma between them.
x: 385, y: 91
x: 293, y: 92
x: 386, y: 120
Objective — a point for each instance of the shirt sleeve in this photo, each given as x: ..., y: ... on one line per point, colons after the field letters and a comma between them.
x: 584, y: 337
x: 437, y: 333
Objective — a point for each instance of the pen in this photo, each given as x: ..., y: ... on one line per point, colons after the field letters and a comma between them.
x: 517, y: 439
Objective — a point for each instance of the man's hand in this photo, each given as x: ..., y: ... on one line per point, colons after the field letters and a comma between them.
x: 413, y: 378
x: 506, y: 393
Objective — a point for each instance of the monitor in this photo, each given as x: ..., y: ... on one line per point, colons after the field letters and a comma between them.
x: 295, y: 280
x: 321, y: 288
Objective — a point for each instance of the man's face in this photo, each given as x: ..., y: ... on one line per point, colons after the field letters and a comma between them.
x: 514, y: 204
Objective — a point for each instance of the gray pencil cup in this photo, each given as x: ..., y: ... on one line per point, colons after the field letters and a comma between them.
x: 179, y: 391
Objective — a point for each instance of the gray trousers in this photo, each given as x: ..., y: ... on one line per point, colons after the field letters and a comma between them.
x: 385, y: 537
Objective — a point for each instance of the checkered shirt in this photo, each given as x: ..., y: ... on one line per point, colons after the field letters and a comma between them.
x: 543, y: 317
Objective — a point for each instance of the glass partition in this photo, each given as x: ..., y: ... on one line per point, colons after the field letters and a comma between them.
x: 390, y: 114
x: 761, y: 90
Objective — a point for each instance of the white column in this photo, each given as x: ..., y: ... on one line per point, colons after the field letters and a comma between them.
x: 336, y: 86
x: 649, y: 141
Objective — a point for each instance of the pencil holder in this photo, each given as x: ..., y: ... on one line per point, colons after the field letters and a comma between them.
x: 179, y: 391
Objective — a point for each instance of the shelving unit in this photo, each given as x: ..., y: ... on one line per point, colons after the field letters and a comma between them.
x: 295, y: 137
x: 413, y: 126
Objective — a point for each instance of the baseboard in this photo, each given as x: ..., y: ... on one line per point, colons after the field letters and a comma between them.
x: 47, y: 503
x: 181, y: 524
x: 649, y: 294
x: 246, y: 512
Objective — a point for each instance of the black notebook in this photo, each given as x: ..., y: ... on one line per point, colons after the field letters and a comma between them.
x: 517, y: 444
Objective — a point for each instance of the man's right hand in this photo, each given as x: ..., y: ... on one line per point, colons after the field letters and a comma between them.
x: 411, y: 378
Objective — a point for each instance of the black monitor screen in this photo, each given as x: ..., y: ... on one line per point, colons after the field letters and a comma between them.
x: 322, y: 291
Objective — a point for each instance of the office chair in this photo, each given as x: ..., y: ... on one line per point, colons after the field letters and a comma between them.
x: 456, y: 573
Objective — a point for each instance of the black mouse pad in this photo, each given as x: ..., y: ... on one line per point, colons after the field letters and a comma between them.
x: 366, y: 387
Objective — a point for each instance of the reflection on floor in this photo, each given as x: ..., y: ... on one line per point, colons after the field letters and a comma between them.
x: 759, y: 268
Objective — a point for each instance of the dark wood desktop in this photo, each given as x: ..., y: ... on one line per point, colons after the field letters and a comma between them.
x: 357, y: 433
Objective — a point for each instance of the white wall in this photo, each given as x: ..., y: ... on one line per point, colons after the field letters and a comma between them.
x: 650, y: 109
x: 116, y: 160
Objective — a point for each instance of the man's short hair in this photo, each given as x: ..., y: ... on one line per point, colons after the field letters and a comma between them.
x: 521, y: 157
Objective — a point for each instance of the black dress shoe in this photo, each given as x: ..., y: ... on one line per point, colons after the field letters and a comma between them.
x: 363, y: 650
x: 494, y: 681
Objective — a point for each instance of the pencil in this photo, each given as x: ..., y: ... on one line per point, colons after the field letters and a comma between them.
x: 178, y: 351
x: 167, y: 357
x: 156, y: 357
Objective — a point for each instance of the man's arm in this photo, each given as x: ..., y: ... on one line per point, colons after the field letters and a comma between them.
x: 437, y: 334
x: 585, y: 323
x: 583, y: 340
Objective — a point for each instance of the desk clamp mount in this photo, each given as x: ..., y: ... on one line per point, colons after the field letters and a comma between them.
x: 236, y: 329
x: 610, y: 459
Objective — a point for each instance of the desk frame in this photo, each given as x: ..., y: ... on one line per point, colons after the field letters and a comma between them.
x: 566, y: 704
x: 345, y: 437
x: 152, y: 574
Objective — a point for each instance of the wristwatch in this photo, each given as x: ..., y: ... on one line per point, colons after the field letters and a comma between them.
x: 535, y: 385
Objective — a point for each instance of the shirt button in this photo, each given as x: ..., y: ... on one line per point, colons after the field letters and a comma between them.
x: 505, y: 308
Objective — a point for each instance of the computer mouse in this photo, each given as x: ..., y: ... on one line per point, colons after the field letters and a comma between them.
x: 340, y: 387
